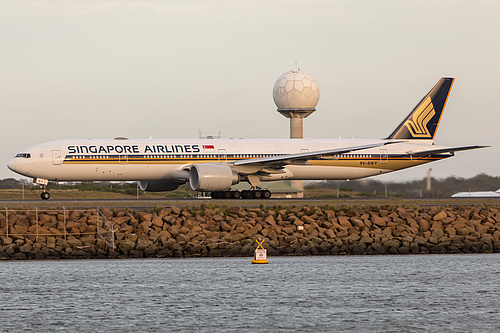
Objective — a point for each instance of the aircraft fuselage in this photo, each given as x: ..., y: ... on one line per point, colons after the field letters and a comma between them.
x: 136, y: 160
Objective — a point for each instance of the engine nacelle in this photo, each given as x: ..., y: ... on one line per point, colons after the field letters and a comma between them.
x: 158, y: 185
x: 212, y: 177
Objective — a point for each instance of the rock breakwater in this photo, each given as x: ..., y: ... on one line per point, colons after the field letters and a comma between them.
x: 220, y: 231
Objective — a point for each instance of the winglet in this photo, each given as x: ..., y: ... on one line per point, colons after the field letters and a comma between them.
x: 423, y: 120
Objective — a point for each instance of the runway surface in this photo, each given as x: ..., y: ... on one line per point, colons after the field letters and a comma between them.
x: 334, y: 202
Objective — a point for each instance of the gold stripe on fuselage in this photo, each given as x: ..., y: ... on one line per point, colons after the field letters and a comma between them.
x: 396, y: 163
x: 389, y: 163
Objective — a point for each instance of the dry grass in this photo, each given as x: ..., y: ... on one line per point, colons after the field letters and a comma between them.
x: 152, y: 200
x: 75, y: 194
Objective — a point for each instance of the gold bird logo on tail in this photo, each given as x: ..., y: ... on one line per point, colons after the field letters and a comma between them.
x: 417, y: 125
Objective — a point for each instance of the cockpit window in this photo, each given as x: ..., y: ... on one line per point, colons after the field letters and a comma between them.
x: 24, y: 155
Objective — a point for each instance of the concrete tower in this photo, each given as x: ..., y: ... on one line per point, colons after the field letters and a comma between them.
x: 296, y: 95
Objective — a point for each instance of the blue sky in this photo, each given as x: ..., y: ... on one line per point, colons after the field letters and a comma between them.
x: 101, y: 69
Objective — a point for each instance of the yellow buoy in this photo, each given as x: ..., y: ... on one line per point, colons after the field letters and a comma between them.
x: 260, y: 256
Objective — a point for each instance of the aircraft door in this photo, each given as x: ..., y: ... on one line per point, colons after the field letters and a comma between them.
x: 384, y: 156
x: 122, y: 159
x: 222, y: 155
x: 56, y: 157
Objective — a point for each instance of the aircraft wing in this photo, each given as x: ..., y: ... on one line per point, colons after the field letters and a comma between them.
x: 301, y: 158
x: 450, y: 150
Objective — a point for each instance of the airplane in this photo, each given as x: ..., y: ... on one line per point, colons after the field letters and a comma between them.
x: 214, y: 165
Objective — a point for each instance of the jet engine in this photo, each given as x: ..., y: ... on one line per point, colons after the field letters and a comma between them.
x: 158, y: 185
x: 212, y: 177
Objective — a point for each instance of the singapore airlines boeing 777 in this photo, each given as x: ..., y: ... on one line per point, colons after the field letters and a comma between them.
x: 215, y: 165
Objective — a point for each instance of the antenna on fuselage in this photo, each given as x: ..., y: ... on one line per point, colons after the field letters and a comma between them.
x: 210, y: 136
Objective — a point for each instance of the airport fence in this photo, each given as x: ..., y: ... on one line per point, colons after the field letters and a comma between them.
x: 59, y: 223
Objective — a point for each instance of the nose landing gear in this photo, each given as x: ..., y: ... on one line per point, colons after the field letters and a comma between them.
x: 45, y: 195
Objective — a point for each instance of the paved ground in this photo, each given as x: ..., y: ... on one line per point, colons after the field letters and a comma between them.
x: 335, y: 202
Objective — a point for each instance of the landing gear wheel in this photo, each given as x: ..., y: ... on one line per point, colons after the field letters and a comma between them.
x: 226, y: 194
x: 257, y: 194
x: 236, y: 194
x: 45, y: 195
x: 216, y: 195
x: 246, y: 194
x: 266, y: 194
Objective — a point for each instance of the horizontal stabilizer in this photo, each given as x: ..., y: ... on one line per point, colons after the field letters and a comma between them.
x: 443, y: 150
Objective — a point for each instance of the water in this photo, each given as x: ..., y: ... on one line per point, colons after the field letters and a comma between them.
x: 416, y: 293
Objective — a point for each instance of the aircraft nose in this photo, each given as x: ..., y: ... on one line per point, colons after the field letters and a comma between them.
x: 19, y: 165
x: 12, y: 165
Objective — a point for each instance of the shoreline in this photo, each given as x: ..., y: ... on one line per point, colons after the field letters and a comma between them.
x: 208, y: 231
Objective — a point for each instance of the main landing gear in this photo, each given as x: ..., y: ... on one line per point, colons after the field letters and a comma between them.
x: 254, y: 193
x: 245, y: 194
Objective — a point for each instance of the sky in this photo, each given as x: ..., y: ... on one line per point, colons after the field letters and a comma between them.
x: 74, y: 69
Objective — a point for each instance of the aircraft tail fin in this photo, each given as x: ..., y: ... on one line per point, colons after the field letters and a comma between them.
x: 423, y: 121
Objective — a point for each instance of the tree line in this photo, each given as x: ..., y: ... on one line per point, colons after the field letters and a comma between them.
x: 440, y: 187
x: 125, y: 187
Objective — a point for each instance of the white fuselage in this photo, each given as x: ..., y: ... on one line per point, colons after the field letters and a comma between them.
x: 136, y: 160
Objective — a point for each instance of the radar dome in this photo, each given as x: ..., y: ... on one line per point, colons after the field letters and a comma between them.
x: 296, y: 90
